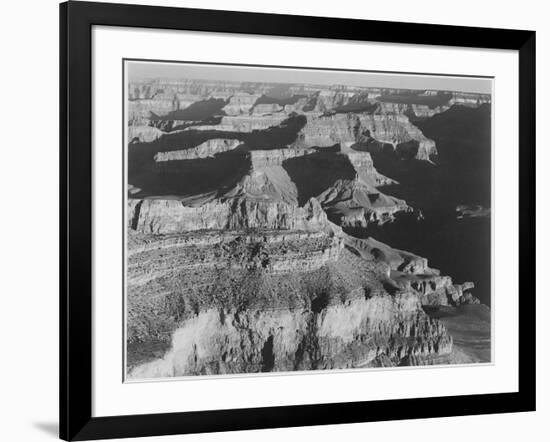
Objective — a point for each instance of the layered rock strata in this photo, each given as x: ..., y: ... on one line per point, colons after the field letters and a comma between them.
x: 348, y: 128
x: 267, y: 109
x: 143, y: 134
x: 245, y: 123
x: 294, y: 301
x: 158, y: 216
x: 266, y: 196
x: 349, y: 335
x: 266, y: 285
x: 357, y: 202
x: 204, y: 150
x: 240, y: 104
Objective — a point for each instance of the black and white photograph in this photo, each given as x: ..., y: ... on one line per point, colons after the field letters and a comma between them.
x: 275, y: 221
x: 292, y: 219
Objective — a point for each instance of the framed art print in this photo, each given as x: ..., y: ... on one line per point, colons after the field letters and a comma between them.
x: 272, y: 220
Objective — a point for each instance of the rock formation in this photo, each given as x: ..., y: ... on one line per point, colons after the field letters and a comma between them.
x: 204, y: 150
x: 348, y: 128
x: 266, y: 109
x: 251, y: 265
x: 265, y: 197
x: 295, y: 300
x: 240, y: 104
x: 143, y: 134
x: 141, y: 110
x: 302, y: 295
x: 356, y: 204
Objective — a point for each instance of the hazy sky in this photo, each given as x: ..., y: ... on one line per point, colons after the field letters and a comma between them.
x: 150, y: 70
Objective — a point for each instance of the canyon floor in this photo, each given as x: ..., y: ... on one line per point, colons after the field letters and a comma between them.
x: 283, y: 227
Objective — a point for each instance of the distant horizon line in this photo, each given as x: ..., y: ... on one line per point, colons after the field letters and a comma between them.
x: 335, y: 85
x: 160, y: 70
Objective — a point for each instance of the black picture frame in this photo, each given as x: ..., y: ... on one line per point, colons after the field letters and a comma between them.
x: 76, y: 21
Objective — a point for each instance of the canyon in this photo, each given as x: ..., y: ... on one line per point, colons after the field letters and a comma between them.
x: 268, y: 227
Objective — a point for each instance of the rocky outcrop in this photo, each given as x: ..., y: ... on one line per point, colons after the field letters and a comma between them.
x: 409, y: 272
x: 321, y: 299
x: 326, y: 100
x: 143, y: 110
x: 470, y: 99
x: 143, y: 134
x: 245, y: 123
x: 204, y: 150
x: 436, y: 290
x: 347, y: 335
x: 348, y: 128
x: 183, y: 101
x: 397, y: 260
x: 413, y: 106
x: 354, y: 203
x: 173, y: 125
x: 272, y: 250
x: 146, y: 89
x: 267, y: 109
x: 240, y: 104
x: 326, y: 131
x: 365, y: 170
x: 317, y: 303
x: 472, y: 211
x: 265, y: 197
x: 276, y: 157
x: 267, y: 180
x: 298, y: 106
x: 357, y: 202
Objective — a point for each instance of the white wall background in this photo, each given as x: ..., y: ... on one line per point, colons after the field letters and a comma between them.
x: 29, y: 218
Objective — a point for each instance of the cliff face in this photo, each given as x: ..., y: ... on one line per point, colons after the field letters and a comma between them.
x: 335, y: 115
x: 240, y: 103
x: 357, y: 202
x: 365, y: 170
x: 143, y: 134
x: 355, y: 334
x: 245, y: 123
x: 141, y: 110
x: 295, y: 301
x: 394, y: 129
x: 172, y: 216
x: 267, y: 109
x: 416, y: 111
x: 266, y: 196
x: 204, y: 150
x: 237, y: 257
x: 295, y: 293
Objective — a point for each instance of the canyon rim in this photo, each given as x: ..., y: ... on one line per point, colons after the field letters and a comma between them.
x: 283, y: 220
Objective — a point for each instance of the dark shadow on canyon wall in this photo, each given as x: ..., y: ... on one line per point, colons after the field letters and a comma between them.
x: 276, y: 137
x: 280, y: 99
x: 315, y: 173
x: 191, y: 177
x: 183, y: 178
x: 461, y: 176
x: 458, y: 247
x: 200, y: 110
x: 357, y: 107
